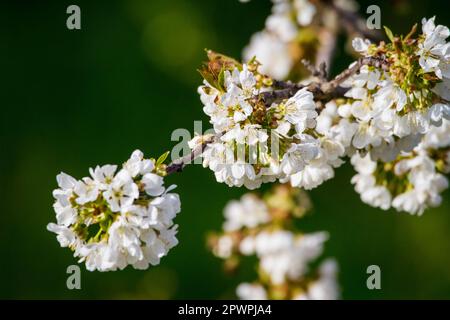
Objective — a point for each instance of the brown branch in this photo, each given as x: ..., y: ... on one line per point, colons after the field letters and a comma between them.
x: 320, y: 71
x: 322, y: 90
x: 380, y: 63
x: 179, y: 164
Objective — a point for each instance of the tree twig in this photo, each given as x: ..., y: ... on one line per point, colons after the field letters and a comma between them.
x: 322, y: 90
x: 179, y: 164
x: 320, y: 71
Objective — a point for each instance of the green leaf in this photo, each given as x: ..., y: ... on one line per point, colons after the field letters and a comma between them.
x: 221, y: 80
x: 104, y: 225
x: 252, y: 60
x: 162, y: 158
x: 389, y: 33
x: 206, y: 74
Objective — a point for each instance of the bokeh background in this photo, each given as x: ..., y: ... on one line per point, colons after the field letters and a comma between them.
x: 74, y: 99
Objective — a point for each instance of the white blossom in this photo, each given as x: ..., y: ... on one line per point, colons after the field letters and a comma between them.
x: 301, y: 110
x: 434, y: 50
x: 322, y: 167
x: 298, y: 155
x: 438, y: 137
x: 426, y: 184
x: 361, y: 45
x: 442, y: 89
x: 365, y: 183
x: 103, y: 175
x: 232, y: 107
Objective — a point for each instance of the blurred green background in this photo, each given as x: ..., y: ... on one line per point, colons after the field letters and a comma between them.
x: 75, y: 99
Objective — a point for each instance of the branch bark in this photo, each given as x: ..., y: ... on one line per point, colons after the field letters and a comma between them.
x: 322, y: 90
x: 179, y: 164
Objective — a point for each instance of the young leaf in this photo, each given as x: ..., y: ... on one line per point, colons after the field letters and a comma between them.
x: 162, y: 158
x: 389, y: 33
x: 221, y: 80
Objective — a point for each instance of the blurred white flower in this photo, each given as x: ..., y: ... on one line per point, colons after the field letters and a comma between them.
x: 248, y: 212
x: 249, y: 291
x: 325, y: 287
x: 273, y: 54
x: 305, y: 12
x: 284, y: 255
x: 224, y: 247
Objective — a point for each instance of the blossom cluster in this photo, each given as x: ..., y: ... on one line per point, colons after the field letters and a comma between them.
x: 259, y: 226
x: 400, y: 117
x: 116, y: 218
x: 395, y: 106
x: 413, y: 181
x: 389, y: 107
x: 257, y: 144
x: 260, y: 144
